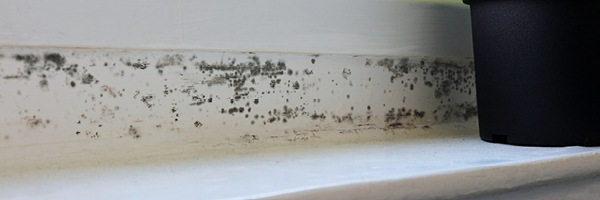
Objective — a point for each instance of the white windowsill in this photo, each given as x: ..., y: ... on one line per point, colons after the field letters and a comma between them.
x: 445, y: 160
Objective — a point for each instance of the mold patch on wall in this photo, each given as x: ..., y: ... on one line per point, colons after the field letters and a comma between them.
x: 75, y: 94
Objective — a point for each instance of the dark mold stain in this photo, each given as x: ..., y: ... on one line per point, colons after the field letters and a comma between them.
x: 71, y: 70
x: 344, y: 118
x: 34, y: 122
x: 44, y: 85
x: 346, y: 72
x: 307, y: 72
x: 463, y: 111
x: 146, y: 99
x: 428, y: 84
x: 29, y: 59
x: 313, y: 61
x: 55, y: 58
x: 111, y: 91
x: 403, y: 117
x: 134, y: 132
x: 236, y: 75
x: 87, y: 79
x: 169, y: 60
x: 444, y: 89
x: 233, y: 110
x: 139, y: 65
x: 198, y: 124
x: 249, y: 138
x: 315, y: 116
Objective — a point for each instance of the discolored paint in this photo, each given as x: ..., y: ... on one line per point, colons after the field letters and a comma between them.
x: 223, y: 95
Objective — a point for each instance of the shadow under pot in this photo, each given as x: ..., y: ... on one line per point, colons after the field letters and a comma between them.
x: 537, y: 71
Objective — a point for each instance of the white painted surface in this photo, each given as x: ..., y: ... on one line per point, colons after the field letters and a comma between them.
x: 359, y: 27
x: 441, y: 162
x: 97, y: 94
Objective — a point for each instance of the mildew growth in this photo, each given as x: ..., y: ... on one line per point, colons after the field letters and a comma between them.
x: 455, y: 111
x: 35, y: 122
x: 134, y: 132
x: 28, y: 59
x: 140, y: 64
x: 245, y: 95
x: 56, y: 59
x: 87, y: 79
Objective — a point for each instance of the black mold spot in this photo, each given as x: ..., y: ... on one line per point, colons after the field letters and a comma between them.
x: 134, y: 132
x: 140, y: 64
x: 255, y: 101
x: 55, y: 58
x: 71, y: 70
x: 459, y: 110
x: 346, y: 72
x: 344, y: 118
x: 87, y: 79
x: 308, y: 72
x: 428, y: 84
x: 314, y: 116
x: 368, y: 107
x: 249, y: 138
x: 312, y: 61
x: 169, y: 60
x: 470, y: 111
x: 443, y: 90
x: 72, y: 84
x: 29, y: 59
x: 197, y: 103
x: 395, y: 125
x: 44, y: 85
x: 111, y: 91
x: 146, y: 99
x: 419, y: 114
x: 198, y: 124
x: 296, y: 85
x: 34, y: 122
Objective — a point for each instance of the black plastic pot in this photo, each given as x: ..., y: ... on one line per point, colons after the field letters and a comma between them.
x: 537, y: 68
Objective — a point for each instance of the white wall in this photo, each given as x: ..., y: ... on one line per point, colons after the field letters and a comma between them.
x: 309, y: 26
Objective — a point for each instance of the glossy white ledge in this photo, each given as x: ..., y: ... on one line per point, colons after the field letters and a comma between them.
x: 442, y: 161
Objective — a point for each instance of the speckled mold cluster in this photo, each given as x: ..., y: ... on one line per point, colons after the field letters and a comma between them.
x: 75, y: 94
